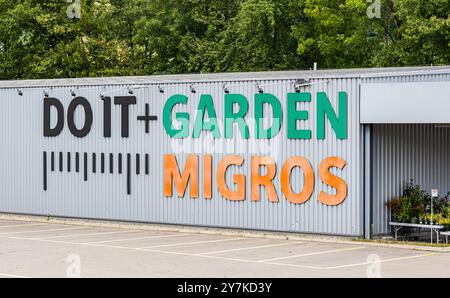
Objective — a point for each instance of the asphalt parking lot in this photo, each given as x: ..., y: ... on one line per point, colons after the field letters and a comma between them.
x: 34, y: 249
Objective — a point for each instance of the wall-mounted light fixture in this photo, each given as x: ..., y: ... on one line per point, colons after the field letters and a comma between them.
x: 259, y: 88
x: 301, y: 83
x: 225, y: 89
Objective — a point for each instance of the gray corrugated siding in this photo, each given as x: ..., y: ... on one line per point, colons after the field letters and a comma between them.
x: 243, y: 76
x: 104, y: 196
x: 405, y: 152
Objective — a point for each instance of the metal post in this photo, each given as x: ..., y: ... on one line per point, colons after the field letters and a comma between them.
x: 368, y: 224
x: 432, y: 219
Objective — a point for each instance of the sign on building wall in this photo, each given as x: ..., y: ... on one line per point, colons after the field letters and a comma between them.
x: 263, y: 169
x: 274, y: 157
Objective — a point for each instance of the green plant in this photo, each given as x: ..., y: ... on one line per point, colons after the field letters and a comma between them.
x: 417, y: 197
x: 442, y: 205
x: 424, y: 218
x: 394, y: 206
x: 415, y: 203
x: 439, y: 218
x: 400, y: 208
x: 443, y: 220
x: 405, y: 213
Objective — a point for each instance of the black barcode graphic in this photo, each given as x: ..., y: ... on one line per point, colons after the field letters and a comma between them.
x: 87, y: 162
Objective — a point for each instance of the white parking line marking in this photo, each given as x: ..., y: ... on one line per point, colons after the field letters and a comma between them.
x: 246, y: 248
x: 87, y: 234
x: 41, y: 240
x: 313, y: 254
x: 293, y: 265
x: 200, y: 256
x: 12, y: 275
x: 137, y: 238
x: 42, y: 231
x: 190, y: 243
x: 381, y: 261
x: 24, y: 225
x: 196, y: 255
x: 256, y: 262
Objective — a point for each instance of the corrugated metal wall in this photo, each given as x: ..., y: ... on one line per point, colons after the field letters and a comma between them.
x: 405, y: 152
x: 104, y: 196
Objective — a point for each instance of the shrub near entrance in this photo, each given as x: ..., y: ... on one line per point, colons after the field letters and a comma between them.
x: 414, y: 206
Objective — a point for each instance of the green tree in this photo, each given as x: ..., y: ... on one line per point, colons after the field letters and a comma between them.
x: 38, y: 39
x: 183, y: 35
x: 416, y: 32
x: 337, y: 33
x: 259, y: 36
x: 41, y: 41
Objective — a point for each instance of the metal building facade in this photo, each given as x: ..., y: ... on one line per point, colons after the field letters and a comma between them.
x: 405, y: 152
x: 418, y: 152
x: 27, y: 158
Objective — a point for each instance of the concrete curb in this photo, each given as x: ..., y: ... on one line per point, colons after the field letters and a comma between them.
x: 216, y: 231
x: 406, y: 246
x: 175, y: 228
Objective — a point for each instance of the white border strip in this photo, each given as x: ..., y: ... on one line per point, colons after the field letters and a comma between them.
x: 190, y: 243
x: 314, y: 254
x: 24, y: 225
x: 43, y: 231
x: 247, y: 248
x: 137, y: 238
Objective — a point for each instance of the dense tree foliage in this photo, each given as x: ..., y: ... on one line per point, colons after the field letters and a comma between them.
x: 42, y: 39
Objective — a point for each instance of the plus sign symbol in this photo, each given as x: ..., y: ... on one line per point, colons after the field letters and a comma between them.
x: 146, y: 118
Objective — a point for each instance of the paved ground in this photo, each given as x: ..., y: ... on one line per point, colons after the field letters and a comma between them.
x: 30, y: 249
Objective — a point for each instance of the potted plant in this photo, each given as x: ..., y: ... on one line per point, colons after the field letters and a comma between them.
x: 400, y: 209
x: 415, y: 206
x: 420, y: 206
x: 404, y: 213
x: 444, y: 220
x: 394, y: 206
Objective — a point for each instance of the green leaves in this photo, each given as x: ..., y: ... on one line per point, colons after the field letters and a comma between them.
x: 416, y: 32
x: 39, y: 39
